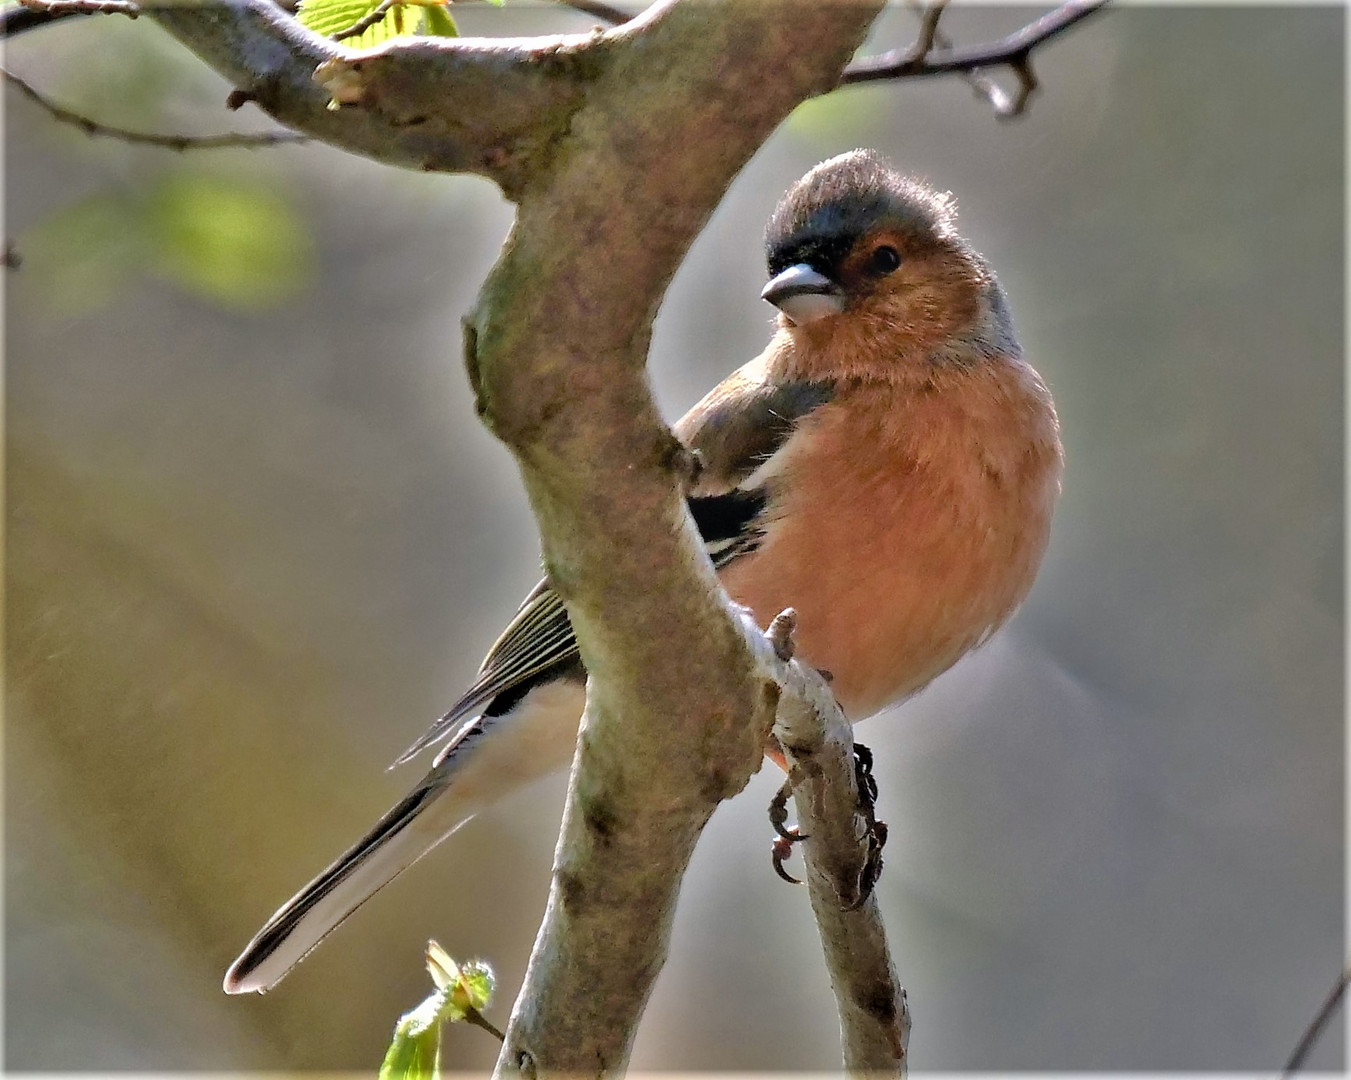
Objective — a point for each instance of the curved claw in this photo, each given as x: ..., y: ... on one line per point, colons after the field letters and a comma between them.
x: 789, y: 835
x: 781, y: 850
x: 778, y: 814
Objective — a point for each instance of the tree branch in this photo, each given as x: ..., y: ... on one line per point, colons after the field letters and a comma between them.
x: 1012, y: 51
x: 170, y: 142
x: 494, y: 107
x: 579, y: 130
x: 818, y: 742
x: 678, y: 712
x: 1005, y: 106
x: 270, y: 58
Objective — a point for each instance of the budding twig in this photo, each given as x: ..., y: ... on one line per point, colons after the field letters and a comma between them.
x: 143, y: 138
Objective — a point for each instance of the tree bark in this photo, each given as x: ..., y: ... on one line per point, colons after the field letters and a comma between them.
x: 677, y: 714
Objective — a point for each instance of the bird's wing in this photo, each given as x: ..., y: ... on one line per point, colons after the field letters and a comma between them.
x: 537, y: 641
x: 743, y: 422
x: 737, y: 429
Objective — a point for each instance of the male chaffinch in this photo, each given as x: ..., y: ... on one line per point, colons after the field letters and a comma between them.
x: 888, y: 467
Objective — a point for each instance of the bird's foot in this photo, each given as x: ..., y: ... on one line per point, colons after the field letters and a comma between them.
x: 876, y: 831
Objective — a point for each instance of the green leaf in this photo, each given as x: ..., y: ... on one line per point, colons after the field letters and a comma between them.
x: 438, y: 23
x: 408, y: 17
x: 232, y: 240
x: 474, y: 988
x: 415, y: 1052
x: 329, y: 17
x: 460, y: 988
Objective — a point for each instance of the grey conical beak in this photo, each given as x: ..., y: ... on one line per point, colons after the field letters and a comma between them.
x: 804, y: 294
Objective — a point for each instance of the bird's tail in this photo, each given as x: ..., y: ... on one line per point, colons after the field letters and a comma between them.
x: 417, y: 824
x: 535, y: 736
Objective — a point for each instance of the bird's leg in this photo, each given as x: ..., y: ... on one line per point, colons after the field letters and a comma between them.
x: 787, y: 837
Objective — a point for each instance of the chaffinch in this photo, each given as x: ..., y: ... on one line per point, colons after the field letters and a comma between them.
x: 888, y: 467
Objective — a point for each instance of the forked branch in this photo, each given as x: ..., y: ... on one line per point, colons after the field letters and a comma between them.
x: 911, y: 63
x: 1014, y: 52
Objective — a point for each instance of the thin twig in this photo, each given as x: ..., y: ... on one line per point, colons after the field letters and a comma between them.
x: 1005, y: 106
x: 598, y: 10
x: 473, y: 1016
x: 1011, y: 51
x: 1319, y: 1024
x: 366, y: 21
x: 928, y: 29
x: 31, y: 14
x: 143, y: 138
x: 57, y: 8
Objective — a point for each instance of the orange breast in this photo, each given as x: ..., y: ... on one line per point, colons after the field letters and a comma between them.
x: 907, y: 524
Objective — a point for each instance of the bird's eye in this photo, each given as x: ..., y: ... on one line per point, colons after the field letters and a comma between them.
x: 886, y: 259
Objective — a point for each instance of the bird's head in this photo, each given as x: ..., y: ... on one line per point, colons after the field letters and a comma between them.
x: 858, y: 250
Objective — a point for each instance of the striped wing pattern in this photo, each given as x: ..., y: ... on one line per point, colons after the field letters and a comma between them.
x: 540, y: 637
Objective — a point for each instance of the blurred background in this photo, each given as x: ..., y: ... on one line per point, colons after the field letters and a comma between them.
x: 257, y: 541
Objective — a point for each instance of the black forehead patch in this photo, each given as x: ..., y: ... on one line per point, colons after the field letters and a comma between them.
x: 823, y: 214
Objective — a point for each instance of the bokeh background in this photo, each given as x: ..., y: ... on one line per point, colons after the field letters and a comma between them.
x: 256, y: 540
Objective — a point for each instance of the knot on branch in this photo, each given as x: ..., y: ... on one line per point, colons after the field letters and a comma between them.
x: 780, y: 634
x: 344, y: 83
